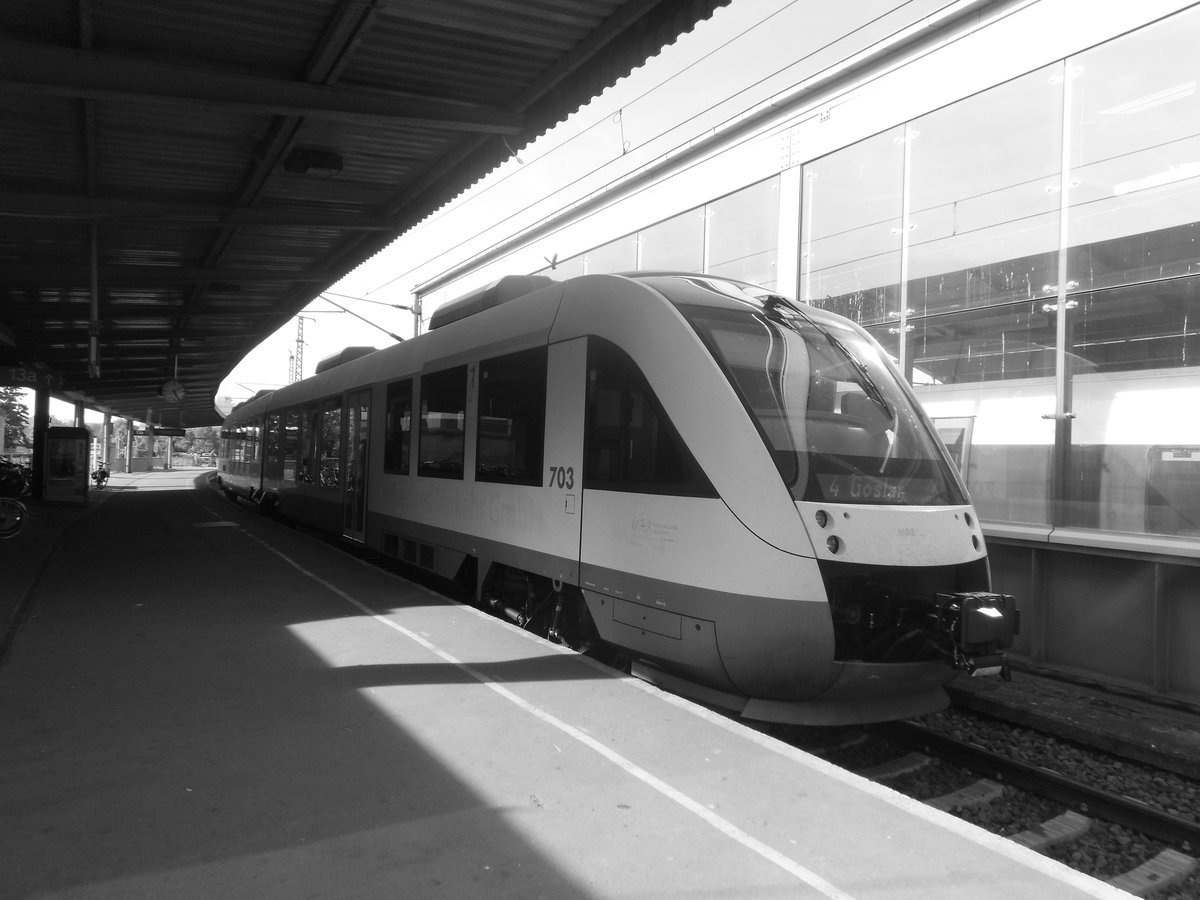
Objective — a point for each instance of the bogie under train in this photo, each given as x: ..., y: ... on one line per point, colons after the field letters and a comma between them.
x: 734, y: 491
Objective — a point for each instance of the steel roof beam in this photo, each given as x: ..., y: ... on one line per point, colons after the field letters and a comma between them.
x: 48, y: 275
x: 132, y: 211
x: 29, y: 68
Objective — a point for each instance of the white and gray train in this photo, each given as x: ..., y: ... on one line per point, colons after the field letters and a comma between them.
x: 734, y: 492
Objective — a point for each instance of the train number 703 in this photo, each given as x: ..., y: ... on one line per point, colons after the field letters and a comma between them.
x: 562, y: 477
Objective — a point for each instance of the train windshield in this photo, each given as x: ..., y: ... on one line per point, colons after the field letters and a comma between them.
x: 840, y: 424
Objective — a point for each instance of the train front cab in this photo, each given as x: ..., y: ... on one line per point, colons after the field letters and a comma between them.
x: 800, y: 607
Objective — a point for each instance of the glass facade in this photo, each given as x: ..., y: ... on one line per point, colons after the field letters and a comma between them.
x: 1028, y: 256
x: 615, y: 256
x: 676, y: 245
x: 736, y: 236
x: 850, y: 230
x: 743, y: 234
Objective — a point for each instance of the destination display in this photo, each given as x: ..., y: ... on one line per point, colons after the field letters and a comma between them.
x: 858, y: 479
x: 844, y: 488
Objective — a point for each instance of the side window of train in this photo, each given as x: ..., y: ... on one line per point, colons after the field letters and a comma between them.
x: 273, y: 449
x: 443, y: 411
x: 398, y: 427
x: 330, y: 444
x: 630, y: 444
x: 310, y: 420
x: 291, y: 444
x: 512, y: 416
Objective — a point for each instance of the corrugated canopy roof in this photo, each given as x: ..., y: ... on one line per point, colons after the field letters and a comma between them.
x: 177, y: 180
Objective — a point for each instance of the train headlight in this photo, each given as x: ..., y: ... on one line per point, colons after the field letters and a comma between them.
x: 834, y: 543
x: 822, y: 518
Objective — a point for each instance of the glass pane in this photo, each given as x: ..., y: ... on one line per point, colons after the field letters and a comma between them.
x: 1135, y: 439
x: 616, y: 256
x: 310, y: 420
x: 273, y: 456
x: 1135, y: 156
x: 676, y: 245
x: 1000, y: 342
x: 984, y: 197
x: 291, y: 444
x: 850, y: 229
x: 630, y: 444
x: 994, y: 367
x: 512, y: 413
x: 1146, y: 326
x: 331, y: 444
x: 1008, y: 443
x: 839, y: 422
x: 398, y: 427
x: 743, y: 234
x: 1134, y: 454
x: 354, y: 503
x: 602, y: 459
x: 443, y: 410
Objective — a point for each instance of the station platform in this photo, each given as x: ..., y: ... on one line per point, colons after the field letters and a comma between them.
x: 202, y: 702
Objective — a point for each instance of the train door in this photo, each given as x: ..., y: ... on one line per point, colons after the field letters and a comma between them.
x: 357, y: 419
x: 563, y: 474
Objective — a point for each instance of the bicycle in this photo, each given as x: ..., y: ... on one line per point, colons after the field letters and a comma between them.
x: 12, y: 517
x: 14, y: 479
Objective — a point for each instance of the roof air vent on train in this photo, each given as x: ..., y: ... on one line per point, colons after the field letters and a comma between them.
x: 510, y: 287
x: 343, y: 356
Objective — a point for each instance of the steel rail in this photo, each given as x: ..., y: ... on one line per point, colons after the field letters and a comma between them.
x: 1117, y: 809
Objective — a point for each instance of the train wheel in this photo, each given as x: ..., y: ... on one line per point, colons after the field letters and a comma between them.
x: 12, y: 517
x: 551, y: 609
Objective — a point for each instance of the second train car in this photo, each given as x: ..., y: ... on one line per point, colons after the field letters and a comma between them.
x: 735, y: 492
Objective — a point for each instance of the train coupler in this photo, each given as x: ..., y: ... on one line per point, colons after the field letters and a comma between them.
x: 983, y: 666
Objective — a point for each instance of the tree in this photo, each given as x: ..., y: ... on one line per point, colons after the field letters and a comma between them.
x: 16, y: 417
x: 205, y: 441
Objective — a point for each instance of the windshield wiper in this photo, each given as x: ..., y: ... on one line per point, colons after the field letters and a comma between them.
x: 771, y: 306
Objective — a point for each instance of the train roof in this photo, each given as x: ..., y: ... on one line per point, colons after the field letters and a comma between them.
x: 534, y: 301
x: 709, y: 290
x: 686, y: 287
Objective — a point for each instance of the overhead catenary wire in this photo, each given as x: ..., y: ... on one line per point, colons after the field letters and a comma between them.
x: 395, y: 337
x: 608, y: 118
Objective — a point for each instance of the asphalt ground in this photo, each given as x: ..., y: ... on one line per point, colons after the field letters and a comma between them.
x: 200, y: 702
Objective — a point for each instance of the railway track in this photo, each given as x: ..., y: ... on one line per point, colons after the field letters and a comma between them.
x: 1127, y: 812
x: 1077, y: 822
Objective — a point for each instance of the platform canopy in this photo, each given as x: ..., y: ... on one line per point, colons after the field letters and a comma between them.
x: 178, y: 179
